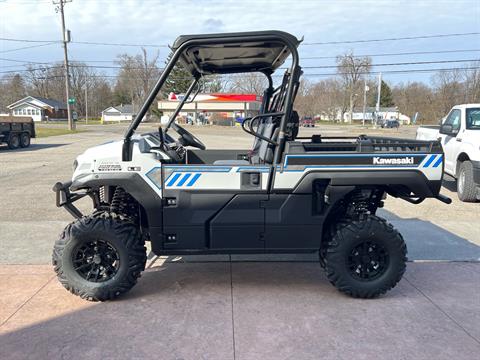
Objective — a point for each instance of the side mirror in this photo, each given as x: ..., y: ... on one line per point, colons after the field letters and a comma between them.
x: 447, y: 129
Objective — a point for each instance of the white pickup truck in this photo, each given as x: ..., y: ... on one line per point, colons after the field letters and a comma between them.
x: 459, y: 133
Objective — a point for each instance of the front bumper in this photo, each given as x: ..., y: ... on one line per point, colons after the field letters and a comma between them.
x: 64, y: 198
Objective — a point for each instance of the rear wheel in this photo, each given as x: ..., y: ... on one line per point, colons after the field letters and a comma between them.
x: 25, y: 140
x: 365, y: 258
x: 13, y: 141
x: 99, y: 257
x: 466, y: 187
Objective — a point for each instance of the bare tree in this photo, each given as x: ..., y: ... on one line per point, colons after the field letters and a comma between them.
x: 416, y: 97
x: 472, y: 83
x: 48, y: 82
x: 136, y: 76
x: 12, y: 88
x: 449, y: 89
x: 250, y: 83
x: 352, y: 71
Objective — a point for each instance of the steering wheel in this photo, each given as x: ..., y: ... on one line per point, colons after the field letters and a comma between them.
x: 187, y: 138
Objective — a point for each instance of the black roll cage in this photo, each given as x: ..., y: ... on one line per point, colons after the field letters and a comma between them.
x: 274, y: 36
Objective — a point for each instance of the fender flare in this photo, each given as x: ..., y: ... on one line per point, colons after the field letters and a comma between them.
x: 133, y: 184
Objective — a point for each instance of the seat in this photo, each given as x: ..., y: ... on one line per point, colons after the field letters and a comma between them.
x: 262, y: 151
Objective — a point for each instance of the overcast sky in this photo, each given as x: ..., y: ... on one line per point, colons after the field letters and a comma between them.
x: 160, y: 22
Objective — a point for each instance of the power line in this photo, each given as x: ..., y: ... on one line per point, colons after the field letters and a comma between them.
x: 73, y: 64
x: 117, y: 44
x: 393, y: 39
x: 29, y: 41
x: 399, y: 72
x: 27, y: 47
x: 394, y: 64
x: 308, y: 43
x: 28, y: 62
x: 396, y: 54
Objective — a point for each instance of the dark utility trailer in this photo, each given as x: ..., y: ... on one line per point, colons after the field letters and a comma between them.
x: 16, y: 131
x: 285, y: 194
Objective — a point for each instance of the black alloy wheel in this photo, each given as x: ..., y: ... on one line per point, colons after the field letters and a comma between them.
x: 368, y: 261
x: 96, y: 261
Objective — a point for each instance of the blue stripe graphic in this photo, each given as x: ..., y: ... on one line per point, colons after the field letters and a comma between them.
x: 173, y: 179
x: 194, y: 179
x: 184, y: 179
x: 439, y: 161
x: 429, y: 161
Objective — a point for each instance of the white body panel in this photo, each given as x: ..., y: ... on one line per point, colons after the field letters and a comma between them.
x: 106, y: 158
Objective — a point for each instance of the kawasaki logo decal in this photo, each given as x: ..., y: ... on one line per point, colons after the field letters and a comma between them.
x: 377, y: 160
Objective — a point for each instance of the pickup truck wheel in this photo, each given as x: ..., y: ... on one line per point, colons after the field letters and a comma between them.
x: 466, y: 187
x: 13, y: 141
x: 25, y: 140
x: 99, y: 257
x: 365, y: 258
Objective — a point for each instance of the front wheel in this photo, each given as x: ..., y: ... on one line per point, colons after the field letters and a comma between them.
x: 365, y: 258
x: 99, y: 257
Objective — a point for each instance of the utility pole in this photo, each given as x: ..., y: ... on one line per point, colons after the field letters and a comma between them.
x: 66, y: 40
x: 86, y: 105
x: 377, y: 107
x: 365, y: 89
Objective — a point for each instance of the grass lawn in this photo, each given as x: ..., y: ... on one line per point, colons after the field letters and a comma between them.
x: 44, y: 131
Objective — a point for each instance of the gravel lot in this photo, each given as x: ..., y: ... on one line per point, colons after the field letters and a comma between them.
x: 30, y: 222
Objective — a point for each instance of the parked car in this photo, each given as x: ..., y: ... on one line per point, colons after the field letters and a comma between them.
x: 307, y: 121
x: 391, y: 124
x: 459, y: 134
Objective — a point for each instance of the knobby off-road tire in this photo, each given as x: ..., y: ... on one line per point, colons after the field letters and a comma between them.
x: 365, y: 258
x: 466, y: 187
x: 99, y: 241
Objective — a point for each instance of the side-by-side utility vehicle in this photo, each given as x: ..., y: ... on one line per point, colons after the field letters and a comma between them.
x: 286, y: 194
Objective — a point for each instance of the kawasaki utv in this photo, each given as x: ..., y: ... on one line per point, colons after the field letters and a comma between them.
x: 287, y: 194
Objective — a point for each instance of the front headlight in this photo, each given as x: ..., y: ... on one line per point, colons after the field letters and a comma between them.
x: 74, y: 165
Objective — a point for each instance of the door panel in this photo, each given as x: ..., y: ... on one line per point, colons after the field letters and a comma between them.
x: 450, y: 143
x: 240, y: 224
x: 293, y: 222
x: 209, y: 207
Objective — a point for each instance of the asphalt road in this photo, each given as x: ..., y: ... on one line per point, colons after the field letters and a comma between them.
x: 30, y: 222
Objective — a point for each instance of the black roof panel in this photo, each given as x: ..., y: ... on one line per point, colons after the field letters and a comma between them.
x: 235, y: 52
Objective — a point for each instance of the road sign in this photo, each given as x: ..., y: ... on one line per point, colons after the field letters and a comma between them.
x: 72, y: 101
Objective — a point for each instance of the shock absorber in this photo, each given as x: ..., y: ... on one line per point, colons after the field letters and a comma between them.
x: 123, y: 204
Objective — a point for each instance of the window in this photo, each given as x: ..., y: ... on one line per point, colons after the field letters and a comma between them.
x: 29, y: 111
x: 454, y: 119
x: 24, y: 111
x: 473, y: 118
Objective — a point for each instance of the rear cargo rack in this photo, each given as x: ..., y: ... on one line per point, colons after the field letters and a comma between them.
x: 370, y: 144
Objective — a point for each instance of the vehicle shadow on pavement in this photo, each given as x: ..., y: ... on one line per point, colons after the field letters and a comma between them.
x: 449, y: 183
x: 428, y: 241
x: 32, y: 147
x: 205, y: 310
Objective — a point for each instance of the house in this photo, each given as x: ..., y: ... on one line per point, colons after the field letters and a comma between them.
x: 385, y: 113
x: 118, y: 113
x: 39, y: 108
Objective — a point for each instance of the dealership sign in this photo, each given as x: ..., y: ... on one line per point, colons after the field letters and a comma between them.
x: 217, y: 97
